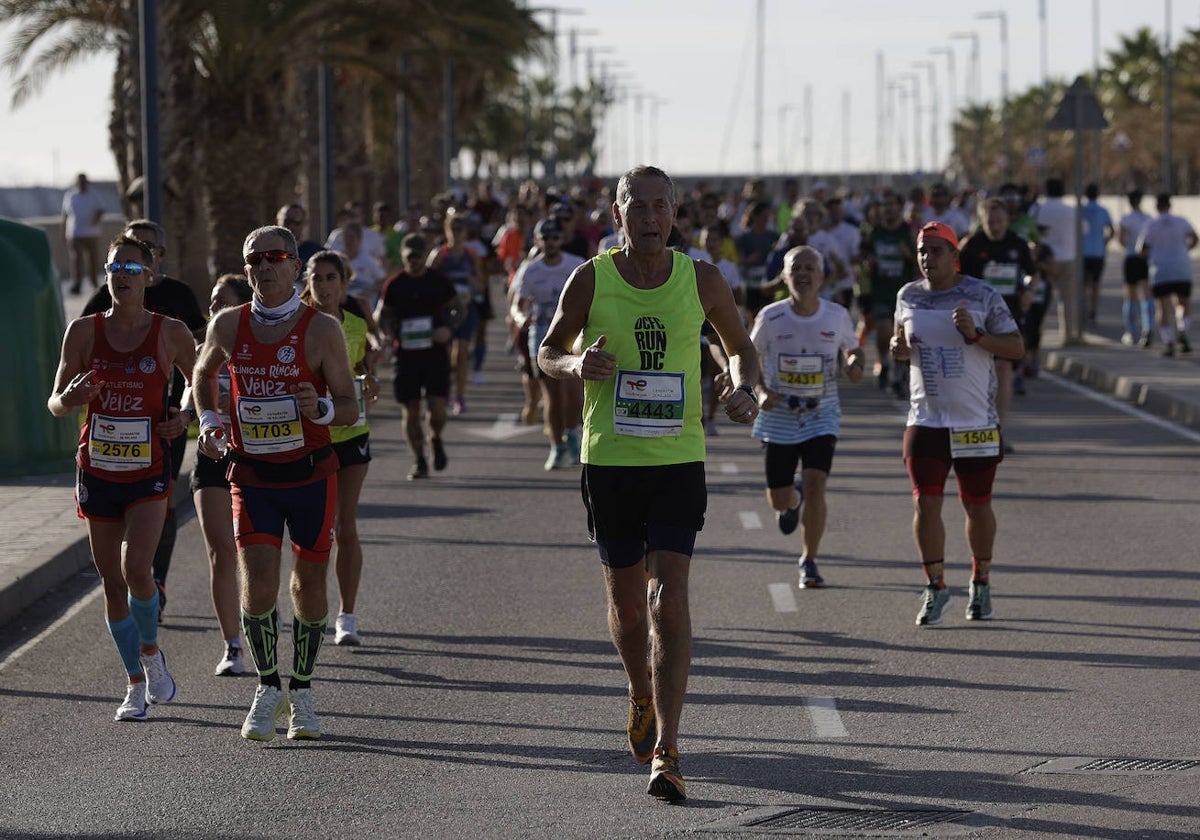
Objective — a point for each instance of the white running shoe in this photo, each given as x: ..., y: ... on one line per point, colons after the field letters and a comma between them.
x: 303, y: 723
x: 267, y: 708
x: 559, y: 458
x: 135, y: 705
x: 160, y: 685
x: 346, y: 630
x: 231, y: 665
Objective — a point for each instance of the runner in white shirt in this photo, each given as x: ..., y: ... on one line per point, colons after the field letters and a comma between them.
x: 1165, y: 243
x: 1137, y: 310
x: 951, y: 326
x: 799, y: 341
x: 535, y: 291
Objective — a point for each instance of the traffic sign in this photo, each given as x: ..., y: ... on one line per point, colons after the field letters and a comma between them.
x: 1079, y: 109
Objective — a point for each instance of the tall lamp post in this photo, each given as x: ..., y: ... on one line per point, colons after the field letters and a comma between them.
x: 952, y: 104
x: 934, y: 158
x: 918, y: 158
x: 1167, y: 151
x: 972, y: 90
x: 1004, y: 111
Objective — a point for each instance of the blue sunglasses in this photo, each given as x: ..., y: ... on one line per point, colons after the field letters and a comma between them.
x: 130, y: 268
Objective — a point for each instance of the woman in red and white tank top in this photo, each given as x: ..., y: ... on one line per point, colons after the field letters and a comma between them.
x: 118, y: 364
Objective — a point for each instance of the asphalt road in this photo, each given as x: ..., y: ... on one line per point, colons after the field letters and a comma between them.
x: 487, y: 701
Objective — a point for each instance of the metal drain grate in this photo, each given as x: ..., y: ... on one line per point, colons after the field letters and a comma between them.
x: 1139, y: 765
x: 1118, y: 766
x: 856, y: 819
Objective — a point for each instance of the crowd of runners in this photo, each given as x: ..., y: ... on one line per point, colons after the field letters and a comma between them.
x: 635, y: 311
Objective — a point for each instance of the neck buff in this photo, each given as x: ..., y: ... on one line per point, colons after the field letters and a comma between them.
x: 270, y: 315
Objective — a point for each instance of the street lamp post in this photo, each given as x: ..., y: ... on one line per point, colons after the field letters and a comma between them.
x: 894, y: 123
x: 973, y: 94
x: 1004, y: 111
x: 1167, y: 151
x: 918, y: 157
x: 934, y: 164
x: 952, y: 104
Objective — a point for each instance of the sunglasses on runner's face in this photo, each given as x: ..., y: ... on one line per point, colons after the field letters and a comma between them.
x: 130, y: 268
x: 256, y: 257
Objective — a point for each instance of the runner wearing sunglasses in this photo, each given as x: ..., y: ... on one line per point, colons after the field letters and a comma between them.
x: 175, y: 299
x: 118, y: 364
x: 283, y: 357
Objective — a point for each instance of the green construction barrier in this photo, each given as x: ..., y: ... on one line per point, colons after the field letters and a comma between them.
x: 32, y: 441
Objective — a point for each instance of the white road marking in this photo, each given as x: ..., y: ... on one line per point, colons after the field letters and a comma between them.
x: 73, y: 611
x: 1118, y: 405
x: 825, y: 718
x: 783, y: 597
x: 506, y: 426
x: 729, y: 468
x: 750, y: 520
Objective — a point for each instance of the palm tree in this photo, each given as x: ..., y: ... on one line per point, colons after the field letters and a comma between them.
x: 237, y: 94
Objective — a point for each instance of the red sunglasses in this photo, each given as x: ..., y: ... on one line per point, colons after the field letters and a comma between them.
x: 256, y: 257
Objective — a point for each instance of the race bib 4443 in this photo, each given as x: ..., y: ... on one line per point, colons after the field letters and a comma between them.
x: 648, y: 404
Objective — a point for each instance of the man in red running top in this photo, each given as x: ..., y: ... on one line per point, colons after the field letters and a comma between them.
x: 290, y: 380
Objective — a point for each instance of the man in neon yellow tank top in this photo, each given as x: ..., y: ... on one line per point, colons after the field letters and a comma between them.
x: 640, y: 309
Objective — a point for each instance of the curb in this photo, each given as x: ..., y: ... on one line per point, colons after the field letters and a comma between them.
x: 50, y: 565
x: 40, y: 572
x: 1147, y: 396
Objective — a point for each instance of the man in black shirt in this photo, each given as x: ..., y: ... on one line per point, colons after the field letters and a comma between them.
x: 998, y: 256
x: 170, y: 297
x: 418, y: 309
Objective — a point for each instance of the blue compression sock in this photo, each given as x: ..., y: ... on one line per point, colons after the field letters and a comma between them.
x: 145, y: 613
x: 1147, y: 316
x: 1129, y: 315
x: 477, y: 354
x: 125, y: 635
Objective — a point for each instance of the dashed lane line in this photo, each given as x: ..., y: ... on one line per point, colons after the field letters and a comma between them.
x: 783, y: 597
x: 825, y: 718
x: 750, y: 520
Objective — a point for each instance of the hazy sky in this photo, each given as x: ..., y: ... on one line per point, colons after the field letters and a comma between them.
x: 697, y: 57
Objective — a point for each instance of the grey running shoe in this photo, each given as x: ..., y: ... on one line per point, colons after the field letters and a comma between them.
x: 135, y: 705
x: 933, y: 602
x: 810, y: 578
x: 789, y: 519
x: 232, y: 664
x: 303, y: 723
x: 267, y: 708
x: 980, y: 606
x: 160, y: 685
x: 419, y: 470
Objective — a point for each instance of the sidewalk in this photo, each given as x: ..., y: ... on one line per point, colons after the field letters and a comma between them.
x: 45, y: 543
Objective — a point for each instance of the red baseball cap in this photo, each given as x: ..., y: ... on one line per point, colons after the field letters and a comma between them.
x: 938, y: 230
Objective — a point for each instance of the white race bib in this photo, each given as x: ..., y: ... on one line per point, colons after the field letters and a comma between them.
x: 1002, y: 277
x: 975, y: 442
x: 648, y: 404
x: 416, y: 333
x: 802, y: 374
x: 269, y: 424
x: 119, y: 444
x: 360, y: 384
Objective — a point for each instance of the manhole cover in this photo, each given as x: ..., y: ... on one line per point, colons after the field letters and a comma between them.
x: 1117, y: 766
x: 826, y: 820
x: 856, y: 819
